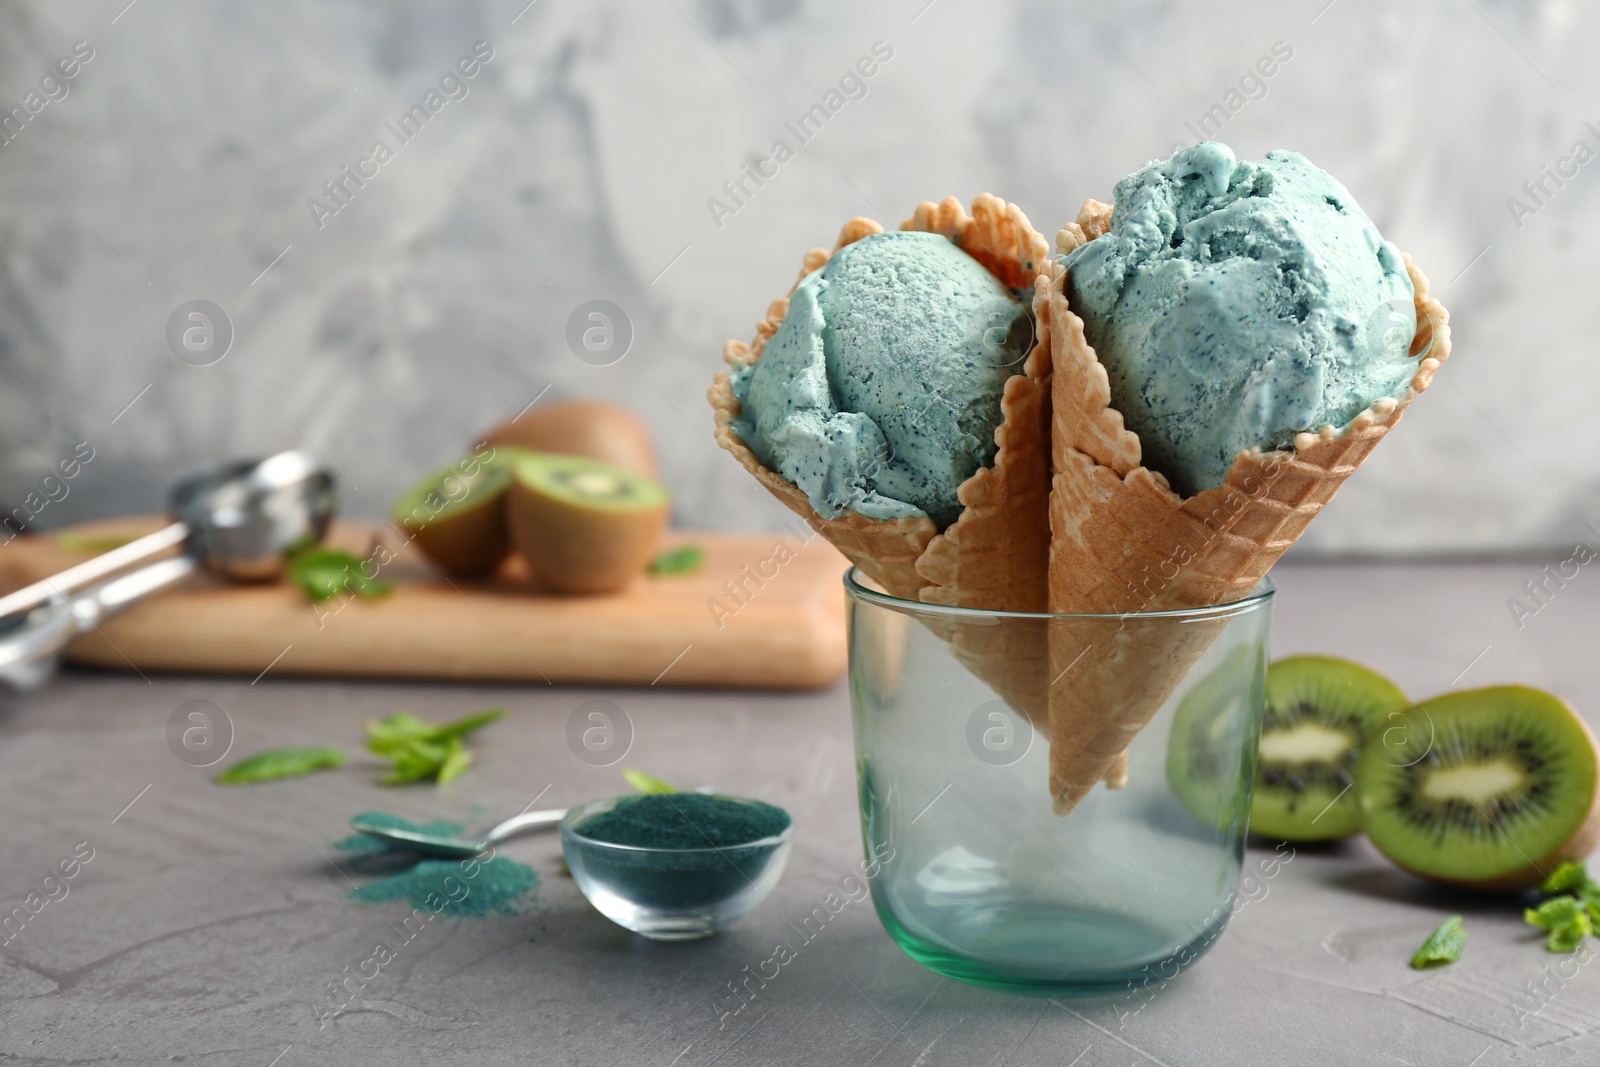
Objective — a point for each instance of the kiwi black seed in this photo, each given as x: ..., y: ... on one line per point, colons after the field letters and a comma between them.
x: 1319, y: 712
x: 456, y: 515
x: 1206, y: 756
x: 1487, y: 788
x: 582, y: 525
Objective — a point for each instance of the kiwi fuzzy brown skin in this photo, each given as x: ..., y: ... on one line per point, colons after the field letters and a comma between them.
x: 1579, y: 845
x: 1576, y: 849
x: 465, y: 537
x: 590, y: 428
x: 469, y: 543
x: 580, y: 547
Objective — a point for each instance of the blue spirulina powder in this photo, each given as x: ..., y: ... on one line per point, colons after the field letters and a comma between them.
x: 359, y: 842
x: 706, y: 839
x: 460, y: 889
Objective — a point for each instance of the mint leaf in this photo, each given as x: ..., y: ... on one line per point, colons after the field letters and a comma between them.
x: 414, y: 761
x: 1566, y: 918
x: 457, y: 759
x: 425, y: 751
x: 403, y: 728
x: 397, y: 731
x: 646, y: 783
x: 1556, y: 913
x: 281, y: 763
x: 1590, y: 895
x: 1567, y: 878
x: 327, y: 572
x: 1568, y: 938
x: 685, y: 559
x: 1443, y: 946
x: 463, y: 727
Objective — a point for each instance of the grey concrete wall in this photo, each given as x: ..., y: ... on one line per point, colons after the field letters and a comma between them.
x: 577, y: 165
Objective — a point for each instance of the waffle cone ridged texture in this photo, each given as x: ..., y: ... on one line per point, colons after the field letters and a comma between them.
x: 1121, y: 541
x: 995, y: 555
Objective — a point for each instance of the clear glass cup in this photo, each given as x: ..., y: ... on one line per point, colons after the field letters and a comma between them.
x: 980, y: 878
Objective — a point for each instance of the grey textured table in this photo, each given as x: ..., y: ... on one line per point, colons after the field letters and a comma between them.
x: 210, y: 921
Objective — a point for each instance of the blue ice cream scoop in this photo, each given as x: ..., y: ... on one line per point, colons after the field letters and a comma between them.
x: 880, y: 392
x: 1236, y: 304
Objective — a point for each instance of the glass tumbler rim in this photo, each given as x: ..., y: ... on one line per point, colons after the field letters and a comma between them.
x: 858, y: 590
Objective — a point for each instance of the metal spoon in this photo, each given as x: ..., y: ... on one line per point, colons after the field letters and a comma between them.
x: 445, y: 846
x: 241, y: 521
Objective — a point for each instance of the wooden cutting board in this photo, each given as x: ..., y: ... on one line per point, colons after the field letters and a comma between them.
x: 765, y: 611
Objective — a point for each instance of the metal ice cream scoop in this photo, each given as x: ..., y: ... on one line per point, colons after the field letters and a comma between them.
x: 241, y: 520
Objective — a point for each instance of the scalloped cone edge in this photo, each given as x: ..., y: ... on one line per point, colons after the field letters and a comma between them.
x: 1123, y: 541
x: 995, y: 555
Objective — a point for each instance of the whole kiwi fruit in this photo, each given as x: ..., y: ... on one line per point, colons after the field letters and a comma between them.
x: 1486, y: 788
x: 590, y: 428
x: 582, y: 525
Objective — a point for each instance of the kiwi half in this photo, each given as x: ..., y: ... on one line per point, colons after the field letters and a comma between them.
x: 456, y: 515
x: 1487, y: 788
x: 1319, y: 712
x: 1204, y: 753
x: 583, y: 526
x: 590, y: 428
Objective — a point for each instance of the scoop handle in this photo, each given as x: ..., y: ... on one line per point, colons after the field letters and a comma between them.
x: 28, y: 652
x: 521, y: 824
x: 74, y: 578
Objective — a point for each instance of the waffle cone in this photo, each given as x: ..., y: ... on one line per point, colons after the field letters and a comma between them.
x: 1122, y: 541
x: 995, y: 555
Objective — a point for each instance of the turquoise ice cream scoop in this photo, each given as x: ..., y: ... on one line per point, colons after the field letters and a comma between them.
x: 1236, y: 304
x: 880, y: 392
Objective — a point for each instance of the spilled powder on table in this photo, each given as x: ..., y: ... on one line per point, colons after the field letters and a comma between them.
x: 359, y: 842
x: 494, y: 886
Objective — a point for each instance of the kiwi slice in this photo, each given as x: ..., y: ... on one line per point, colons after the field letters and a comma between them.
x: 1319, y: 712
x: 1487, y: 788
x: 583, y: 526
x: 590, y: 428
x: 1204, y: 753
x: 456, y: 515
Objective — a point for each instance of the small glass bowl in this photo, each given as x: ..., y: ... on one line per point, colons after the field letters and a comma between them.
x: 671, y: 894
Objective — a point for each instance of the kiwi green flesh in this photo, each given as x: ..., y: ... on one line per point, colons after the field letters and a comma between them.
x: 1204, y: 751
x: 588, y: 483
x: 582, y: 525
x: 1474, y: 787
x: 457, y: 518
x: 1319, y: 711
x: 449, y: 489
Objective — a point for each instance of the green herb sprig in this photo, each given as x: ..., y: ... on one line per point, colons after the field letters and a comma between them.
x: 423, y: 751
x: 1572, y: 910
x: 327, y: 572
x: 646, y: 783
x: 685, y: 559
x: 281, y: 763
x: 1443, y: 946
